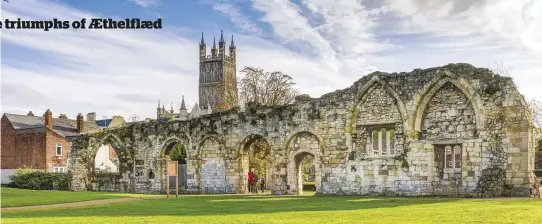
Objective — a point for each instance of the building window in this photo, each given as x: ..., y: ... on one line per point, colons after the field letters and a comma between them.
x: 382, y: 141
x: 59, y: 169
x: 58, y: 149
x: 450, y: 155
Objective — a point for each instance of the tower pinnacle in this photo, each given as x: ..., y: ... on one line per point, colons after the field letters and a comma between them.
x: 183, y: 106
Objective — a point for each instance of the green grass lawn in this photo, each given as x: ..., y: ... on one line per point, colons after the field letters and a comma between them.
x: 292, y: 209
x: 13, y: 197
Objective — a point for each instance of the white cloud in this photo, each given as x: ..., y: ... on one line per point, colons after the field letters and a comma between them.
x: 324, y: 45
x: 145, y: 3
x: 516, y: 21
x: 340, y: 34
x: 120, y: 71
x: 478, y: 32
x: 242, y: 22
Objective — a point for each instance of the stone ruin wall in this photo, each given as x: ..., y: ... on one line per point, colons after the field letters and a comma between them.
x: 384, y: 135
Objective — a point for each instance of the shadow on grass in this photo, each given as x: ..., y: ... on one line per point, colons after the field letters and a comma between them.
x: 210, y: 205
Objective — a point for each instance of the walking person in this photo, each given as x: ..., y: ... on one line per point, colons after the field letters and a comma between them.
x: 251, y: 180
x: 262, y: 182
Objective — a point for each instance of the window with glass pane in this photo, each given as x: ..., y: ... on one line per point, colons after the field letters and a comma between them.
x: 59, y: 149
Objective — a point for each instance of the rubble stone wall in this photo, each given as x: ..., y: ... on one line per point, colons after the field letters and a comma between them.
x: 454, y: 130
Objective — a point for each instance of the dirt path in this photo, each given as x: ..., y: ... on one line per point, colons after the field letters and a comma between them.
x: 78, y: 204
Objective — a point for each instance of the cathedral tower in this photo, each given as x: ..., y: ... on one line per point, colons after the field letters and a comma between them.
x: 217, y: 76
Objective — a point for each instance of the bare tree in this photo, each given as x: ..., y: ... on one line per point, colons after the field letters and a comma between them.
x: 230, y: 93
x: 536, y: 107
x: 500, y: 69
x: 266, y: 88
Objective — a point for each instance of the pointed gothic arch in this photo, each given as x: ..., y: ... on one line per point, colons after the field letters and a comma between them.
x: 376, y: 79
x: 294, y: 158
x: 243, y: 160
x: 434, y: 86
x: 304, y: 132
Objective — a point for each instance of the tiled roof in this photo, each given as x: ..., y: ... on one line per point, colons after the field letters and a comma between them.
x: 62, y: 126
x: 162, y: 119
x: 103, y: 123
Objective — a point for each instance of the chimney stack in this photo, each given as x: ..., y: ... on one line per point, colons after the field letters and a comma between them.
x: 80, y: 123
x: 91, y: 116
x: 49, y: 118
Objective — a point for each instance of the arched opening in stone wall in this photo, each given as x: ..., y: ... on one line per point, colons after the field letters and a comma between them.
x: 106, y: 169
x: 303, y: 146
x: 106, y: 159
x: 214, y: 174
x: 110, y: 161
x: 379, y: 127
x: 449, y: 123
x: 173, y: 151
x: 254, y: 157
x: 308, y: 173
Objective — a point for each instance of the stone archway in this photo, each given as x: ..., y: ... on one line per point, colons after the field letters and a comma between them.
x: 245, y: 154
x: 120, y: 181
x: 212, y: 173
x: 420, y: 105
x: 172, y: 147
x: 299, y: 146
x: 298, y: 174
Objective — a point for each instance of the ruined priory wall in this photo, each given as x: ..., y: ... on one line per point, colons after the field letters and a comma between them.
x: 387, y: 134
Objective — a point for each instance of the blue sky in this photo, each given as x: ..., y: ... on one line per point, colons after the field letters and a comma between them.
x: 323, y: 44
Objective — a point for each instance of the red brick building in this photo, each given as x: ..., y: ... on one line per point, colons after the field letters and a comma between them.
x: 39, y: 142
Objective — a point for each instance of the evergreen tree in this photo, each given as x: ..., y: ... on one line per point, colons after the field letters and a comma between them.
x: 178, y: 153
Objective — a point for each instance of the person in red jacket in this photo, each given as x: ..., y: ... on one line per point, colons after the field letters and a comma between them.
x: 251, y: 180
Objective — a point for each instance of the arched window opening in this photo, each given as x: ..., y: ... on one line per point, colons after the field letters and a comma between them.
x: 106, y: 159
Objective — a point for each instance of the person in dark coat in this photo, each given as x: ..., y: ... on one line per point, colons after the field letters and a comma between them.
x: 262, y: 183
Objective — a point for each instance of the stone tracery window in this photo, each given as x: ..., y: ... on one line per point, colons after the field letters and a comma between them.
x: 450, y: 155
x: 381, y: 141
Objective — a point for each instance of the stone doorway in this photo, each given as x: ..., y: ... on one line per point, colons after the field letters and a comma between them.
x: 300, y: 160
x: 174, y: 151
x: 254, y: 154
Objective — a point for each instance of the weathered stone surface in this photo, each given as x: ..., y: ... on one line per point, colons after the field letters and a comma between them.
x: 385, y: 135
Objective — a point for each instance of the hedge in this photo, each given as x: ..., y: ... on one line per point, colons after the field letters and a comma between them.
x: 38, y: 180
